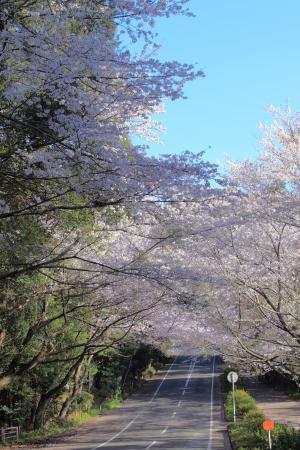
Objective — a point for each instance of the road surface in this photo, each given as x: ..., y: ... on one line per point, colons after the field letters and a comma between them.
x: 179, y: 409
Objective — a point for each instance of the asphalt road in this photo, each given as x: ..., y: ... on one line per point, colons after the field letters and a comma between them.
x: 179, y: 409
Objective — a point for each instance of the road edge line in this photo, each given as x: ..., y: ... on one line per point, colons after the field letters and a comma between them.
x: 211, y: 405
x: 133, y: 420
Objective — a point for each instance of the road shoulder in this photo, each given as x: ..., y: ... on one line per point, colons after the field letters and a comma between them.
x: 276, y: 405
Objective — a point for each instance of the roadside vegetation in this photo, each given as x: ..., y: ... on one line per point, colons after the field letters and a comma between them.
x: 248, y: 434
x: 55, y: 429
x: 115, y: 375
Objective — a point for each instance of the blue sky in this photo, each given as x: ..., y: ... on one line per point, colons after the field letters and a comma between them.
x: 250, y: 53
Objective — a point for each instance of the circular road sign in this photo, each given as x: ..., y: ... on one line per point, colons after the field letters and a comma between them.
x: 232, y: 377
x: 268, y: 425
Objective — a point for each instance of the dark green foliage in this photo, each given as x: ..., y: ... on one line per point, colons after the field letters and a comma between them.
x: 286, y: 438
x: 83, y: 402
x: 120, y: 372
x: 115, y: 373
x: 16, y: 404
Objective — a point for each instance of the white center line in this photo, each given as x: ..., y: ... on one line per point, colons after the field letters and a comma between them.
x: 165, y: 430
x: 162, y: 382
x: 138, y: 415
x: 117, y: 435
x: 151, y: 445
x: 189, y: 377
x: 191, y: 370
x: 211, y: 405
x: 179, y: 403
x: 174, y: 414
x: 192, y: 365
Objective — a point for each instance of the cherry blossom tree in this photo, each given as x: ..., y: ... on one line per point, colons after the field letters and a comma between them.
x: 85, y: 253
x: 248, y: 257
x: 67, y: 132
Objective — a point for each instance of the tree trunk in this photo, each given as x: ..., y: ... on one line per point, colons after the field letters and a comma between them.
x: 67, y: 403
x: 79, y: 377
x: 39, y: 415
x: 54, y: 392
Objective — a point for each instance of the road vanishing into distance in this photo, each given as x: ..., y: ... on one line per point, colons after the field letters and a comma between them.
x: 180, y: 408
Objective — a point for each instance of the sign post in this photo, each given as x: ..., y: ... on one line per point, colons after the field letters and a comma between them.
x: 232, y: 377
x: 268, y: 425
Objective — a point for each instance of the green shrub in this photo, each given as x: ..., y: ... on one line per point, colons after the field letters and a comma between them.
x: 243, y: 401
x: 248, y: 433
x: 109, y: 405
x: 285, y: 437
x: 149, y: 372
x: 82, y: 402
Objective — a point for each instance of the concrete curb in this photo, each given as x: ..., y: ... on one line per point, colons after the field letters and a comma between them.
x: 227, y: 440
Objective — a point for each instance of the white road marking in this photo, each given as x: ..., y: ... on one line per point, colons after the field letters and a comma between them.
x: 191, y: 370
x: 162, y: 381
x: 211, y: 405
x: 151, y: 445
x: 192, y: 366
x: 138, y: 415
x: 118, y: 434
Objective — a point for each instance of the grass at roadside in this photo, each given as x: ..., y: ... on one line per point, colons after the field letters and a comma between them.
x: 75, y: 420
x: 56, y: 428
x: 248, y: 434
